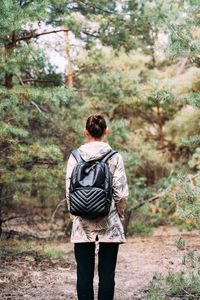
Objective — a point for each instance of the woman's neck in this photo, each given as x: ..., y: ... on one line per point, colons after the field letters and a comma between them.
x: 95, y: 140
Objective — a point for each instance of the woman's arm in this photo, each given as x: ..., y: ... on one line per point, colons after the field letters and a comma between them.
x: 120, y: 186
x: 70, y: 166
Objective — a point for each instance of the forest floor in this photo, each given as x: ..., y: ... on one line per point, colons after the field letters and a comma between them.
x: 26, y: 273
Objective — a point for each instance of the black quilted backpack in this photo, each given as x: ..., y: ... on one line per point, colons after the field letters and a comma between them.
x: 90, y: 191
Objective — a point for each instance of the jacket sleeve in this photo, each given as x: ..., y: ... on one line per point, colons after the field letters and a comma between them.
x: 70, y: 166
x: 120, y: 187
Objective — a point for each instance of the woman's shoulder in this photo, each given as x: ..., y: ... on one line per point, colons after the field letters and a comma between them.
x: 71, y: 160
x: 115, y: 161
x: 117, y: 157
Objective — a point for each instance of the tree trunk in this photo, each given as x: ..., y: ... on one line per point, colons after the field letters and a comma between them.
x: 7, y: 51
x: 125, y: 113
x: 34, y: 190
x: 8, y: 80
x: 160, y: 125
x: 69, y: 68
x: 1, y: 187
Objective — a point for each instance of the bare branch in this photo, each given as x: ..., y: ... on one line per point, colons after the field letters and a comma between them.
x: 35, y: 35
x: 19, y: 78
x: 38, y: 108
x: 96, y: 7
x: 91, y: 34
x: 60, y: 203
x: 30, y: 36
x: 182, y: 66
x: 16, y: 217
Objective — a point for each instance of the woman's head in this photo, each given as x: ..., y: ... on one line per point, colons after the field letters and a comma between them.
x: 96, y: 126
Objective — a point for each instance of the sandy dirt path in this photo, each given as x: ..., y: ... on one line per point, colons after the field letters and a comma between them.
x: 27, y: 277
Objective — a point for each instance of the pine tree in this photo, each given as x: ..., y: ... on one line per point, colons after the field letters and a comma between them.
x: 122, y: 74
x: 38, y: 122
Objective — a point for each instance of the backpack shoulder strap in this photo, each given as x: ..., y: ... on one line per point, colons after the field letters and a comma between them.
x: 107, y: 156
x: 77, y: 155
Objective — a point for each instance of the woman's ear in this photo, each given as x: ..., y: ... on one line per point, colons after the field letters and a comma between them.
x: 86, y: 132
x: 106, y: 131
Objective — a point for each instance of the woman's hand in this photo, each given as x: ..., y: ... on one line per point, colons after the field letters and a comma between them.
x: 71, y: 217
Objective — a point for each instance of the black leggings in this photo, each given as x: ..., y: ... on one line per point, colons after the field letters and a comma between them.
x: 85, y: 258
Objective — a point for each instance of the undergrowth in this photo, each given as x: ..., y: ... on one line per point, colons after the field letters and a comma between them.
x: 184, y: 284
x: 178, y: 285
x: 16, y: 247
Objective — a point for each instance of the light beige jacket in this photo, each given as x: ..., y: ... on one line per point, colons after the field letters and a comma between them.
x: 109, y: 228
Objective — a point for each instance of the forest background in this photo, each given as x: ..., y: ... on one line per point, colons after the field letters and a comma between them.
x: 137, y: 62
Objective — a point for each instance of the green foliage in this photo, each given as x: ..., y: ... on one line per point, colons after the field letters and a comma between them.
x: 154, y: 291
x: 179, y: 285
x: 194, y: 162
x: 183, y: 26
x: 179, y: 242
x: 36, y: 135
x: 193, y: 99
x: 126, y: 70
x: 190, y: 259
x: 183, y: 130
x: 186, y: 197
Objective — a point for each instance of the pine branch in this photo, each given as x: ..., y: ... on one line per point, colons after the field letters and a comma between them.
x: 27, y: 37
x: 96, y: 7
x: 166, y: 191
x: 36, y: 80
x: 30, y: 36
x: 33, y: 102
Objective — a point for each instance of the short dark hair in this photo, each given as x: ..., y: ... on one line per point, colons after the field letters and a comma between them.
x: 96, y: 125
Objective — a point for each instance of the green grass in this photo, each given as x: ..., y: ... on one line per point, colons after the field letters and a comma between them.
x: 50, y: 251
x: 180, y: 285
x: 20, y: 246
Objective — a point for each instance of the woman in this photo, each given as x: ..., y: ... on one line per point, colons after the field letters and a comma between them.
x: 107, y: 231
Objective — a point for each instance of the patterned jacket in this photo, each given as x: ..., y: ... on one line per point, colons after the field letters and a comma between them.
x: 109, y: 228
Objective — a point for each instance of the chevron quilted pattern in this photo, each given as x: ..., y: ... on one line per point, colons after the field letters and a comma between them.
x: 89, y: 203
x: 90, y: 191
